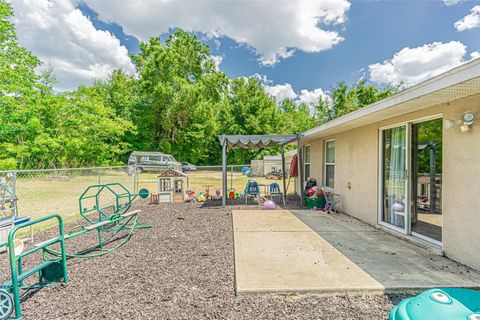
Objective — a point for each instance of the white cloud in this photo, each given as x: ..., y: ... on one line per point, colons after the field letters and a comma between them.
x: 262, y: 78
x: 281, y: 91
x: 450, y: 3
x: 285, y: 91
x: 474, y: 55
x: 58, y: 33
x: 470, y: 21
x: 311, y: 98
x: 273, y: 29
x: 413, y: 65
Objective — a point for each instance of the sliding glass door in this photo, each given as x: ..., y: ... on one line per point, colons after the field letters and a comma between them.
x: 426, y: 216
x: 410, y: 186
x: 394, y: 185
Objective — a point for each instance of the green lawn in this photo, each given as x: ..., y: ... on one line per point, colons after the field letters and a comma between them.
x: 42, y: 194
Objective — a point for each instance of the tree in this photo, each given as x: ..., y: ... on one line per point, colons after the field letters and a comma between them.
x: 181, y: 90
x: 18, y: 89
x: 348, y: 99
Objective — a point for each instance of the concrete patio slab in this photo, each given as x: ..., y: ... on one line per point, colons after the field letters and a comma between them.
x: 395, y: 263
x: 267, y: 221
x: 276, y: 252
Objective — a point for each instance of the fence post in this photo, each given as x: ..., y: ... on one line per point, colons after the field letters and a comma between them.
x: 99, y: 174
x: 231, y: 177
x: 135, y: 177
x: 14, y: 183
x: 14, y: 190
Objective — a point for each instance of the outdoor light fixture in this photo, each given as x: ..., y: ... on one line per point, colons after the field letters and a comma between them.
x: 468, y: 119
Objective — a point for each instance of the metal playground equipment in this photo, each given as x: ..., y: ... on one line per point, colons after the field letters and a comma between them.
x: 111, y: 202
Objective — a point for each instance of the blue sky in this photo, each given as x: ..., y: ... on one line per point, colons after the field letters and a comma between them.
x: 376, y: 40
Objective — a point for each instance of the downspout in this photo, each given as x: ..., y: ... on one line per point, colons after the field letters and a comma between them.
x: 300, y: 167
x: 284, y: 175
x: 224, y: 170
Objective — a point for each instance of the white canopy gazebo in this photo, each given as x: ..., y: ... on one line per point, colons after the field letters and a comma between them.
x: 260, y: 142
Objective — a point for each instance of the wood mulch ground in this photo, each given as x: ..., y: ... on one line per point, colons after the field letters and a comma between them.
x: 182, y: 268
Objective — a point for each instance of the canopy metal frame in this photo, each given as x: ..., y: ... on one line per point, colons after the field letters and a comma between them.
x: 261, y: 142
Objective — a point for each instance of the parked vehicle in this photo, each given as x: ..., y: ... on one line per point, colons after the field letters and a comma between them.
x: 187, y: 167
x: 151, y: 161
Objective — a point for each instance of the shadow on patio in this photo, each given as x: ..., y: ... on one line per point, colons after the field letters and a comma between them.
x: 395, y: 263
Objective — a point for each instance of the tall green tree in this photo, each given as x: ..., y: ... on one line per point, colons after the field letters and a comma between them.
x: 18, y: 89
x: 181, y: 89
x: 345, y: 99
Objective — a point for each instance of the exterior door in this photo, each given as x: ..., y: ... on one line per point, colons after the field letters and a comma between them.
x: 394, y: 208
x: 426, y: 209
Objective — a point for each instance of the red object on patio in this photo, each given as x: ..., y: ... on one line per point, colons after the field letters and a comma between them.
x: 294, y: 166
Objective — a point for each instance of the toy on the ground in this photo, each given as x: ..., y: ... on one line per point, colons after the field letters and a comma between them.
x: 268, y: 205
x: 201, y: 197
x: 444, y: 303
x: 231, y: 193
x: 315, y: 202
x: 207, y: 190
x: 217, y: 195
x: 172, y: 186
x: 190, y: 196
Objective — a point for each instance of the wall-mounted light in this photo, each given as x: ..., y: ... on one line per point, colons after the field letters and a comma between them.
x: 468, y: 120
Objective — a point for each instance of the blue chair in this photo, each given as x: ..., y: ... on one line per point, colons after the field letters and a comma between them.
x: 275, y: 190
x: 252, y: 190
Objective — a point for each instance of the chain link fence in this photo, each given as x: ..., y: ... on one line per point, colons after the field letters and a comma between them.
x: 44, y: 192
x: 49, y: 191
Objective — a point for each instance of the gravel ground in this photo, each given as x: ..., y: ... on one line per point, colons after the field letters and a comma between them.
x: 182, y: 268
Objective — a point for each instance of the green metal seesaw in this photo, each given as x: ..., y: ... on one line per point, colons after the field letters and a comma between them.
x: 53, y: 268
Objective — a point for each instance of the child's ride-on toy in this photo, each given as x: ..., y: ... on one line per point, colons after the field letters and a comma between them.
x: 435, y: 304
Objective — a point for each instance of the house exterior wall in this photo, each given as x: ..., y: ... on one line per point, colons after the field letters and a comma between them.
x: 357, y: 166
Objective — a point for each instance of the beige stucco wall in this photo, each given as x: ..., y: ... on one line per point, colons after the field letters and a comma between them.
x: 357, y: 165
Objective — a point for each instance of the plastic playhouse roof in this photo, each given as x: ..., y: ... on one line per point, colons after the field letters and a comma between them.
x: 256, y: 141
x: 171, y: 173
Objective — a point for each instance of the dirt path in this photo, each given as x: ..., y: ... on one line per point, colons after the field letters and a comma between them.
x: 182, y: 268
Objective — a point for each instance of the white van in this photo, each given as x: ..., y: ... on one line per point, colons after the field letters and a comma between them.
x: 151, y: 161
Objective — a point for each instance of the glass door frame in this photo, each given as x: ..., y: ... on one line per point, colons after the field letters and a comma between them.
x: 412, y: 181
x: 407, y: 230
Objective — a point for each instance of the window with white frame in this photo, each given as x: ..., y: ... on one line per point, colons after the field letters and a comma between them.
x: 306, y: 160
x: 330, y: 163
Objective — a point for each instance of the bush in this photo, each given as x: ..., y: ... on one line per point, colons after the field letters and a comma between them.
x: 8, y: 164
